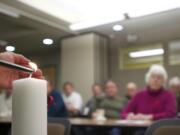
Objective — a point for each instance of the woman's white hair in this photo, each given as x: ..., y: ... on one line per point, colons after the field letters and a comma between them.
x: 174, y: 81
x: 156, y: 69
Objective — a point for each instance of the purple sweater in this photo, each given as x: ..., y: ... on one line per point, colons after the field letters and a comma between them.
x: 161, y: 104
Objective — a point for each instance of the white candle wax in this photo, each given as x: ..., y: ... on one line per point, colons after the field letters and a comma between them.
x: 29, y: 107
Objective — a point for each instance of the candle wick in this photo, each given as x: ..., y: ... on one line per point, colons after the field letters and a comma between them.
x: 30, y: 76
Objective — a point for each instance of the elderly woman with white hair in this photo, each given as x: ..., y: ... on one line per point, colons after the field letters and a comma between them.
x: 154, y: 102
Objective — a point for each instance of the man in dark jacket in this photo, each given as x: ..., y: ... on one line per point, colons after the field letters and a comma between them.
x: 56, y: 107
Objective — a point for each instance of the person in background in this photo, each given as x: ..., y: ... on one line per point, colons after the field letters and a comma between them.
x: 154, y: 102
x: 132, y: 90
x: 174, y: 85
x: 56, y: 107
x: 87, y: 110
x: 72, y: 99
x: 112, y: 103
x: 6, y: 103
x: 98, y: 94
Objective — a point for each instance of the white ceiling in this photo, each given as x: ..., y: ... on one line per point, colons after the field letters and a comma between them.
x: 74, y: 11
x: 33, y: 25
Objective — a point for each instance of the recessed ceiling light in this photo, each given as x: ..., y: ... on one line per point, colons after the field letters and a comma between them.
x: 10, y: 48
x: 117, y: 27
x: 48, y: 41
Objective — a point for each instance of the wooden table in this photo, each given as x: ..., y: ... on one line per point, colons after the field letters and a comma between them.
x: 79, y: 126
x: 109, y: 123
x: 126, y: 126
x: 93, y: 122
x: 5, y: 120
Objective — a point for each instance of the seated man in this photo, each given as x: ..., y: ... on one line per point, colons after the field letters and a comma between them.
x: 72, y: 99
x: 96, y: 98
x: 56, y: 107
x: 108, y: 105
x: 132, y: 90
x: 174, y: 85
x: 112, y: 103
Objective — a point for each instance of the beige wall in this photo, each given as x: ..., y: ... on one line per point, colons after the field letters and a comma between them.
x: 124, y: 76
x: 80, y: 62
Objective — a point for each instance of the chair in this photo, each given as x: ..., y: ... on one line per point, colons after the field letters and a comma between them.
x: 58, y: 126
x: 165, y: 127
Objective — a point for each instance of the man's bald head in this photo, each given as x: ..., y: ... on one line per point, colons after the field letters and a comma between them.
x: 131, y: 89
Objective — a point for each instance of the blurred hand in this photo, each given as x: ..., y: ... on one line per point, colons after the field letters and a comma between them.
x: 94, y: 115
x: 146, y: 117
x: 72, y: 109
x: 7, y: 75
x: 131, y: 116
x: 139, y: 117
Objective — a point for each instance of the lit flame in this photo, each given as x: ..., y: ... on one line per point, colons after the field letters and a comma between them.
x: 33, y: 65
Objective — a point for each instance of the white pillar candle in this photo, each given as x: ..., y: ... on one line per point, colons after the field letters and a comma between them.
x: 29, y: 107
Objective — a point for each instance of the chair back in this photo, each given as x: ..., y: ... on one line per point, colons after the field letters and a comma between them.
x: 58, y: 126
x: 164, y: 127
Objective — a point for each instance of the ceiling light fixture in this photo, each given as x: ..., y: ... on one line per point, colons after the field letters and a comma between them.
x: 48, y: 41
x: 146, y: 53
x: 10, y: 48
x: 117, y: 27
